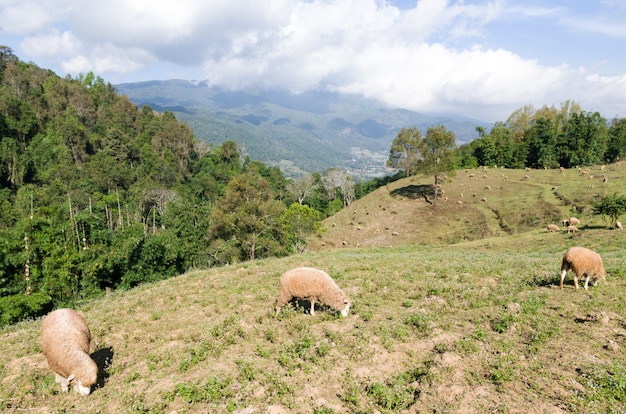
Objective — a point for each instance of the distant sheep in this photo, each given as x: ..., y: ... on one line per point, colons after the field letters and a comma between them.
x: 583, y: 262
x: 313, y: 285
x: 573, y: 221
x: 552, y: 227
x: 572, y: 229
x: 618, y: 225
x: 65, y: 339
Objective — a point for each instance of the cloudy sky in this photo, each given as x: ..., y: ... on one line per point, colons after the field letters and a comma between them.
x: 478, y: 58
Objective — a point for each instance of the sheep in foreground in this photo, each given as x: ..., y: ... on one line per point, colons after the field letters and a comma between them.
x: 313, y: 285
x: 583, y: 262
x: 65, y: 339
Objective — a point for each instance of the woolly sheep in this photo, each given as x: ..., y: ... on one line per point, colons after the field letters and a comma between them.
x: 552, y: 227
x: 618, y: 225
x: 65, y: 339
x: 582, y: 261
x: 573, y: 221
x: 313, y: 285
x: 572, y: 229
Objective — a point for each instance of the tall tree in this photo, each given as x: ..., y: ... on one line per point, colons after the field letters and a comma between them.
x: 247, y: 218
x: 542, y: 144
x: 404, y: 153
x: 584, y: 140
x: 336, y: 180
x: 438, y: 154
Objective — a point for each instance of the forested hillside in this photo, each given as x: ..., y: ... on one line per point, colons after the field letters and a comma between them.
x: 97, y: 194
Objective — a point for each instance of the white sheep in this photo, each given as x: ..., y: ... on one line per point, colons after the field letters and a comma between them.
x: 572, y: 229
x: 618, y: 225
x: 313, y: 285
x: 573, y: 221
x: 583, y: 262
x: 552, y: 227
x: 65, y: 339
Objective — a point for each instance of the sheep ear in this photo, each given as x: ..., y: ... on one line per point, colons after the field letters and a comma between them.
x: 70, y: 378
x: 345, y: 301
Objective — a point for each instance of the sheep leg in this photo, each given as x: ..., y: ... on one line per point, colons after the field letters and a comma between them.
x: 587, y: 282
x: 576, y: 280
x: 65, y: 382
x: 563, y: 277
x: 312, y: 307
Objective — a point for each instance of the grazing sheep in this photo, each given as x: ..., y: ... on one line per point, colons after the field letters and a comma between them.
x: 618, y: 225
x: 572, y: 229
x: 582, y: 261
x: 565, y: 222
x: 65, y: 339
x: 573, y: 221
x: 313, y: 285
x: 552, y: 227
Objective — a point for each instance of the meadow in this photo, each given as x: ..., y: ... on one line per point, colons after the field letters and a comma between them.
x: 456, y: 309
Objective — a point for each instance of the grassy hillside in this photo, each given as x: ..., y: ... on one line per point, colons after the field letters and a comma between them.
x: 475, y: 204
x: 474, y: 326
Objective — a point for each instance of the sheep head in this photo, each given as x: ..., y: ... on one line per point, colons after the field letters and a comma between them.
x: 345, y: 310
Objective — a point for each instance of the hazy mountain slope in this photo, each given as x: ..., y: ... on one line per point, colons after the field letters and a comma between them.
x: 307, y: 132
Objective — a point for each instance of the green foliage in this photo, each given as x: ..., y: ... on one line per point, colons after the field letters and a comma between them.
x: 611, y: 207
x: 405, y: 152
x: 96, y: 193
x: 300, y: 223
x: 14, y: 308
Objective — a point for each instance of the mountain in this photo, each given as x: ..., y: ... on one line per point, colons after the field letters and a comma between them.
x: 300, y: 133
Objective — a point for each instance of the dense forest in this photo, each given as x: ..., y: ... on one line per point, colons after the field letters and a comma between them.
x: 97, y: 193
x: 549, y: 137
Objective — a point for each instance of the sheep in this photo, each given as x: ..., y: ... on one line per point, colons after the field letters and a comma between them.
x: 313, y: 285
x: 582, y: 261
x: 552, y: 227
x: 65, y: 339
x: 618, y: 225
x: 572, y: 229
x: 573, y: 221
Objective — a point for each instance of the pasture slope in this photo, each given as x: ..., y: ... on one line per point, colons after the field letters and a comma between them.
x: 456, y: 310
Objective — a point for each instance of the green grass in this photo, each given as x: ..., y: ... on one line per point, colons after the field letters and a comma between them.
x: 474, y: 326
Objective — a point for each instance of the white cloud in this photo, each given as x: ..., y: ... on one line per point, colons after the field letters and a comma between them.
x: 428, y: 56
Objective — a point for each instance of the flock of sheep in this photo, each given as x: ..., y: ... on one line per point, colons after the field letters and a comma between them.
x: 65, y: 336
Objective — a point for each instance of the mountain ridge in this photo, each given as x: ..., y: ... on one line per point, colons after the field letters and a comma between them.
x: 303, y: 133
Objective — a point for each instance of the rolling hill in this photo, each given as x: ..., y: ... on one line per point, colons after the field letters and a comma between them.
x: 456, y: 310
x: 301, y: 133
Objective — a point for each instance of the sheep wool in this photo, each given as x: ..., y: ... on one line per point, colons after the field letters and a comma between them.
x: 313, y: 285
x: 65, y: 339
x: 583, y: 262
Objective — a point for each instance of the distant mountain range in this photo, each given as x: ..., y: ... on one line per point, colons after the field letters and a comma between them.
x: 300, y: 133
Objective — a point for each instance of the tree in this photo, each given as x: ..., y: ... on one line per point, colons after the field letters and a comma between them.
x: 335, y: 179
x: 616, y: 149
x: 542, y: 144
x: 300, y: 223
x: 584, y: 140
x: 611, y: 208
x: 302, y: 188
x: 404, y: 153
x: 247, y: 217
x: 438, y: 154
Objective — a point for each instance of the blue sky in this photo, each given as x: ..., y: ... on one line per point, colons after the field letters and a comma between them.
x: 477, y: 58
